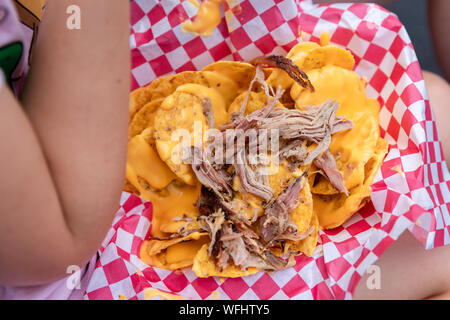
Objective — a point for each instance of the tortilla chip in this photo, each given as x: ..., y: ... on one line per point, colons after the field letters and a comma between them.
x: 351, y: 148
x: 144, y: 118
x: 139, y: 98
x: 172, y: 202
x: 280, y: 176
x: 174, y: 253
x: 240, y: 72
x: 307, y: 245
x: 303, y: 213
x: 297, y: 53
x: 179, y: 111
x: 174, y: 225
x: 334, y: 210
x: 139, y: 154
x: 255, y: 101
x: 161, y: 88
x: 327, y: 55
x: 128, y: 187
x: 204, y: 266
x: 373, y: 165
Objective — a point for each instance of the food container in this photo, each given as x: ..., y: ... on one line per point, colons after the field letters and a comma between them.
x: 411, y: 190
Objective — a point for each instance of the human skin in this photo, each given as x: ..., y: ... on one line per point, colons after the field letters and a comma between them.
x: 64, y: 143
x: 62, y: 176
x: 438, y: 13
x: 407, y: 271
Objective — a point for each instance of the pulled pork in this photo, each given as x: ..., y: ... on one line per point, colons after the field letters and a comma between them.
x: 208, y: 112
x: 327, y: 163
x: 233, y: 239
x: 304, y: 135
x: 276, y: 218
x: 287, y: 65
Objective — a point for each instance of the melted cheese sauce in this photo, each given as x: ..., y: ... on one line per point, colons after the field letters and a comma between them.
x: 297, y: 54
x: 218, y: 102
x: 173, y: 201
x: 222, y: 85
x: 173, y: 254
x: 195, y: 3
x: 157, y: 180
x: 325, y: 39
x: 207, y: 19
x: 177, y: 202
x: 140, y: 154
x: 351, y: 148
x: 184, y: 251
x: 179, y: 123
x: 153, y: 181
x: 398, y: 169
x: 355, y: 146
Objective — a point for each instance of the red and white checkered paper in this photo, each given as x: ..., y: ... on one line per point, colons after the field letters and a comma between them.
x: 416, y: 198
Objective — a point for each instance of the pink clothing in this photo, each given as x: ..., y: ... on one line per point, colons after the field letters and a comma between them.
x: 58, y: 290
x: 15, y: 44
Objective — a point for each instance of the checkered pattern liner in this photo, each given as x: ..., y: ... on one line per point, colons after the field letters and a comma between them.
x: 411, y: 190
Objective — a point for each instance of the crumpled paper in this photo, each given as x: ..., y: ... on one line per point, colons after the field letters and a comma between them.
x: 411, y: 190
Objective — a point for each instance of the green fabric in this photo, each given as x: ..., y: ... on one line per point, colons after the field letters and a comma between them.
x: 9, y: 59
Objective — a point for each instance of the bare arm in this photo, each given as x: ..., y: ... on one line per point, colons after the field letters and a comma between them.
x: 438, y: 13
x: 62, y: 160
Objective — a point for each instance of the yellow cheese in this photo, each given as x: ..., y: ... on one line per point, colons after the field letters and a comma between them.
x: 184, y: 251
x: 207, y: 19
x: 179, y: 123
x: 175, y: 253
x: 195, y: 3
x: 358, y: 152
x: 204, y: 266
x: 279, y: 77
x: 227, y: 87
x: 357, y: 145
x: 218, y: 102
x: 140, y: 155
x: 175, y: 202
x: 324, y: 39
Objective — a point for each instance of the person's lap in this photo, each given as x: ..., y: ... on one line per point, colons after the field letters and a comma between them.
x: 407, y: 270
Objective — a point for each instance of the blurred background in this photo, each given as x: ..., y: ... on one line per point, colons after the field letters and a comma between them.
x: 413, y: 14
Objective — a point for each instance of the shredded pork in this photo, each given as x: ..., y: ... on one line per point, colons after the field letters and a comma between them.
x: 304, y: 137
x: 287, y: 65
x: 327, y: 163
x: 276, y: 218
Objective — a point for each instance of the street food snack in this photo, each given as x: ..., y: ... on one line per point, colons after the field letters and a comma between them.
x: 245, y: 162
